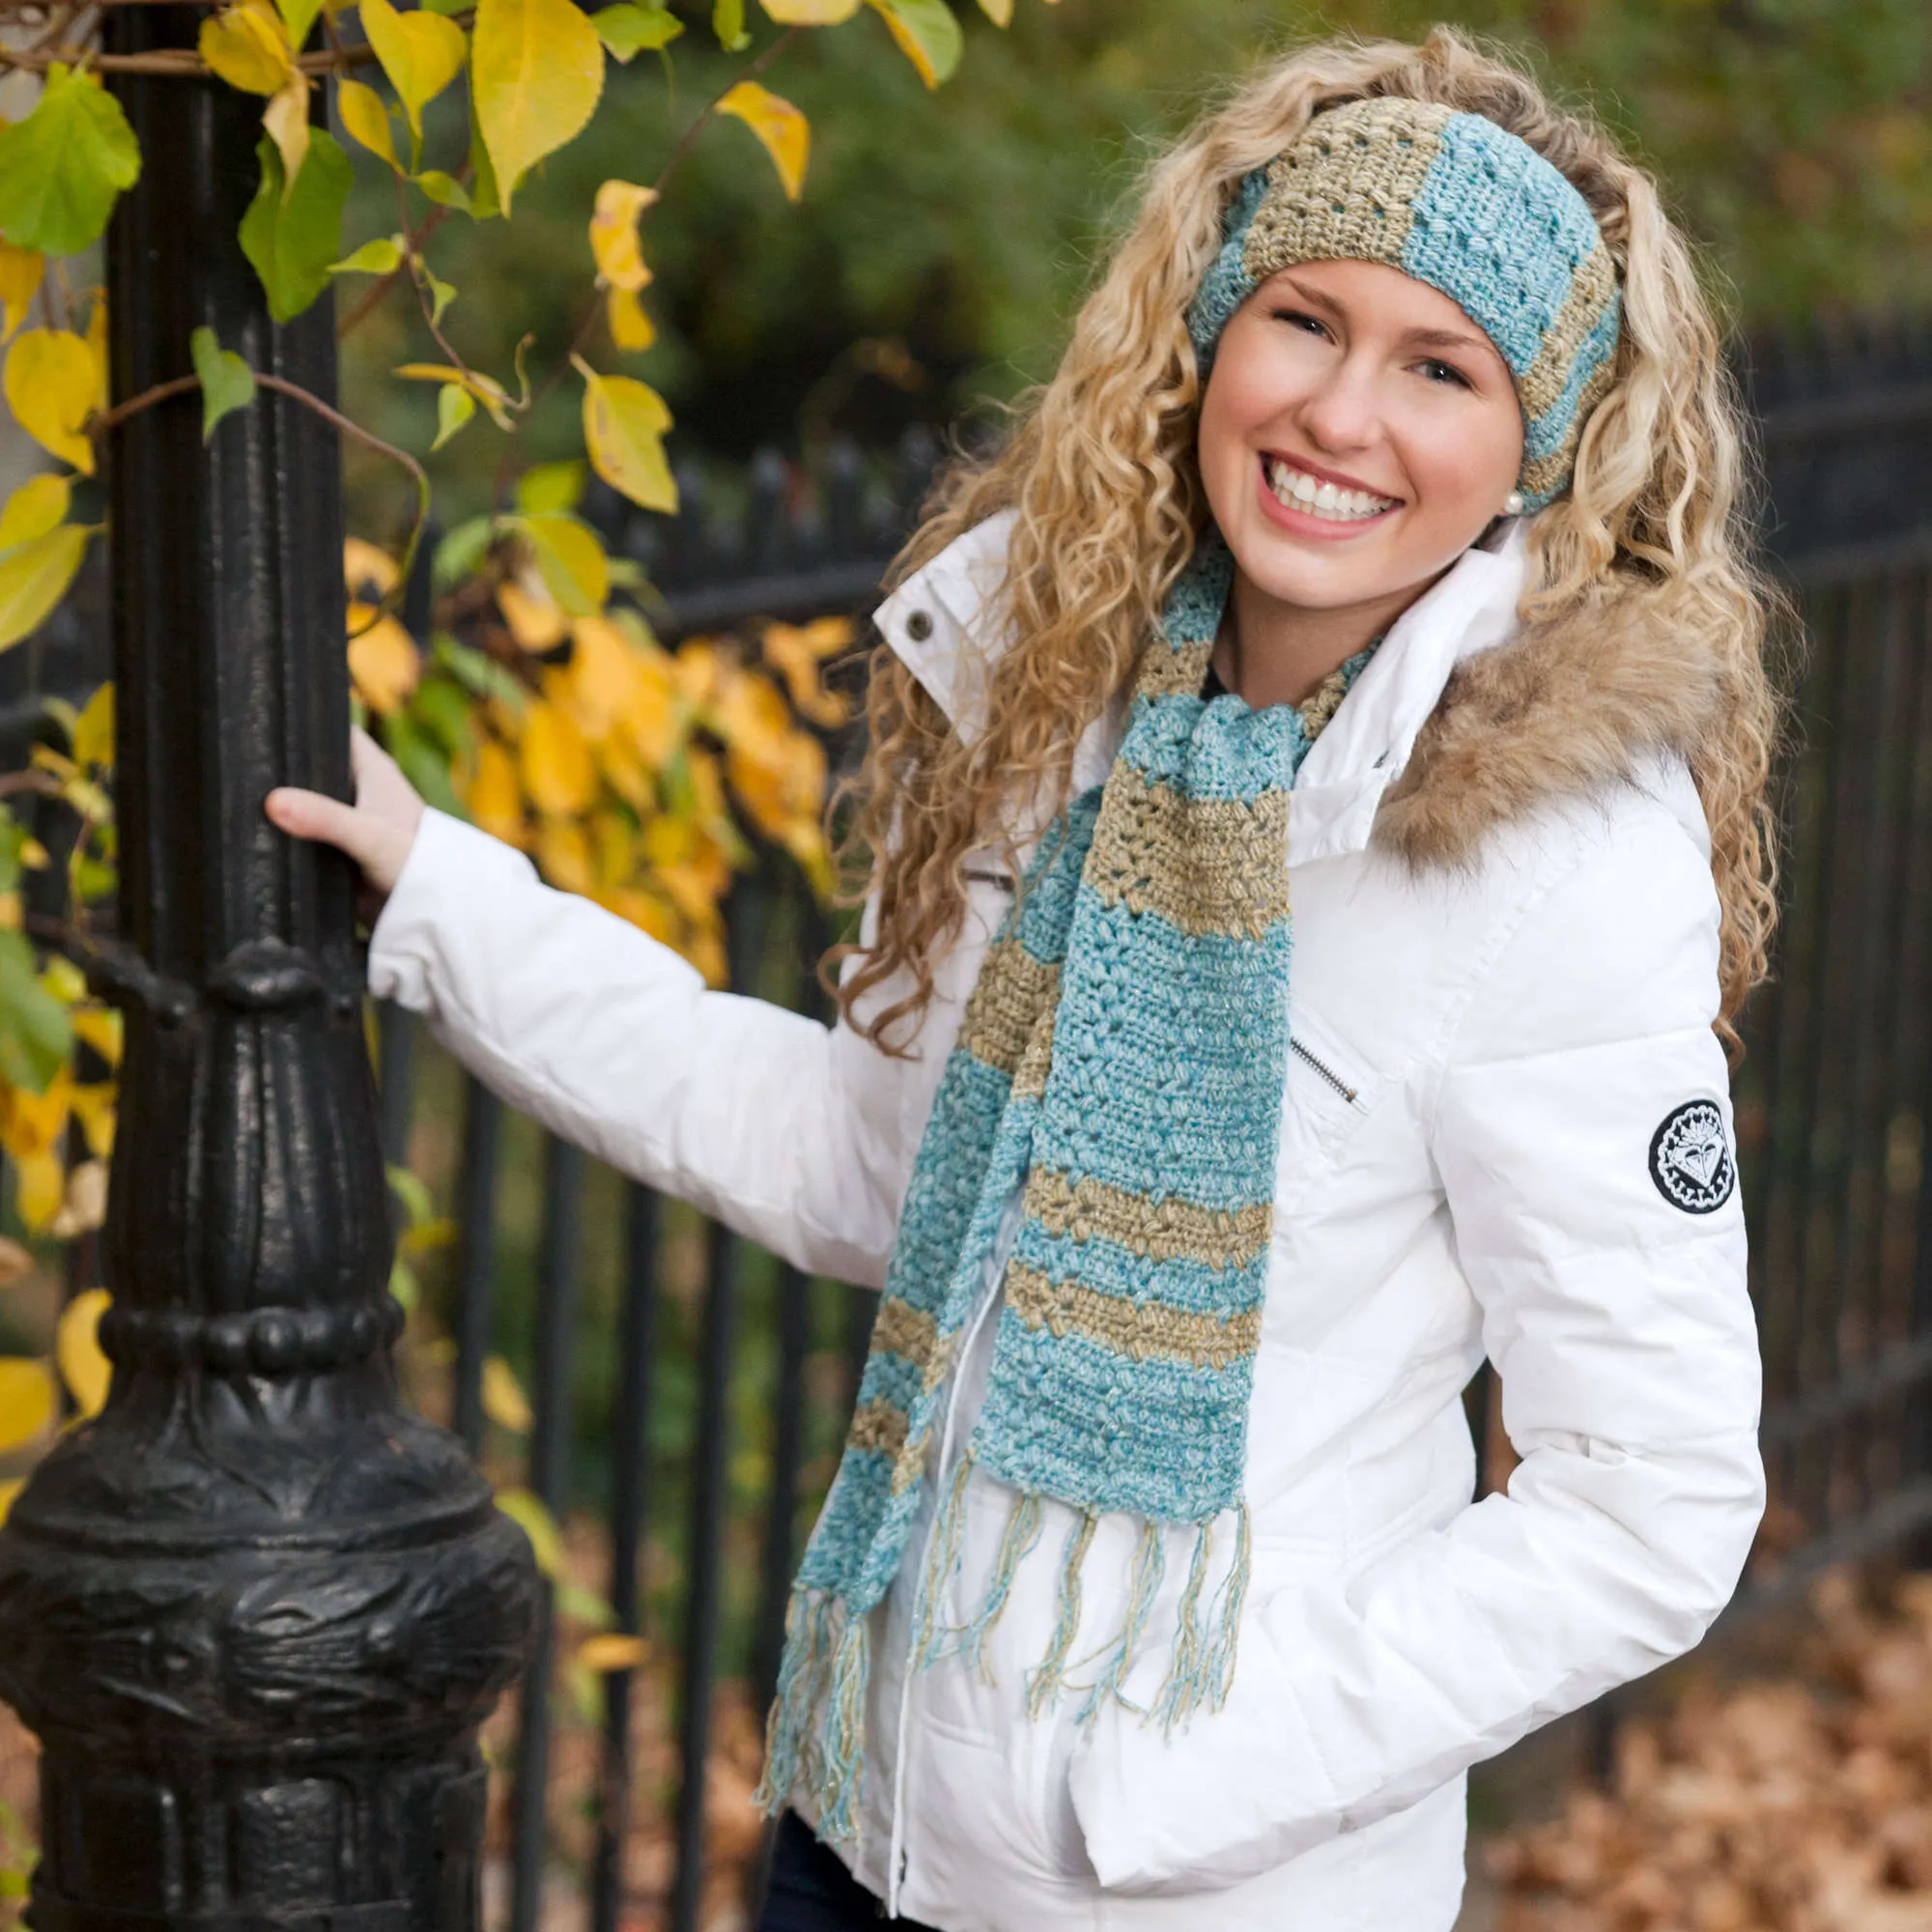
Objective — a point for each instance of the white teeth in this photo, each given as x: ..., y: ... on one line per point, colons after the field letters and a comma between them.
x: 1304, y: 492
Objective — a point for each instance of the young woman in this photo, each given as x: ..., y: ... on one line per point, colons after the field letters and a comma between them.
x: 1367, y: 578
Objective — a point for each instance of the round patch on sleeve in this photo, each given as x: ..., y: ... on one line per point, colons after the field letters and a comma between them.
x: 1690, y: 1159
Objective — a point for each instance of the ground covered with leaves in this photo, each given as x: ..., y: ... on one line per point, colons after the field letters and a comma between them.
x: 1800, y: 1803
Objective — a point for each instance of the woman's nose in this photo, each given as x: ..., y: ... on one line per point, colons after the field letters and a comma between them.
x: 1341, y: 412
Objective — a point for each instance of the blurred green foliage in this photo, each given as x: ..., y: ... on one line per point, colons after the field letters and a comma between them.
x: 943, y: 244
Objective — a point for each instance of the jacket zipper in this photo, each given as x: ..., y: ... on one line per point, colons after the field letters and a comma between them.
x: 1334, y: 1079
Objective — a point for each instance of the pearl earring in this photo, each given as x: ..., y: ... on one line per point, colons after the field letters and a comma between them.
x: 1513, y: 503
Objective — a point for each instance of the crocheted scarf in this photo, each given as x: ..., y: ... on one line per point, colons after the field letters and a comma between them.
x: 1118, y: 1069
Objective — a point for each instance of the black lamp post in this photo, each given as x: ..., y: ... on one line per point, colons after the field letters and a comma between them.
x: 255, y: 1611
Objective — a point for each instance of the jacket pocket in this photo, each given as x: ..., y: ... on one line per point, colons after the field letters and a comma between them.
x: 1331, y: 1089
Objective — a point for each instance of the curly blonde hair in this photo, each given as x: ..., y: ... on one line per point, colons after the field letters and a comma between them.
x: 1101, y: 470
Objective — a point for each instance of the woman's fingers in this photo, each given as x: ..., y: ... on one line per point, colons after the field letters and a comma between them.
x: 377, y: 831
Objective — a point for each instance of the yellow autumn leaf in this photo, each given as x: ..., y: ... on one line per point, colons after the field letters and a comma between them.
x: 611, y: 1650
x: 495, y: 800
x: 535, y: 618
x: 486, y: 389
x: 33, y: 1124
x: 367, y: 567
x: 34, y: 509
x: 631, y: 329
x: 614, y: 846
x: 795, y: 652
x: 85, y: 1370
x: 504, y: 1402
x: 562, y: 852
x: 367, y: 118
x: 605, y: 682
x: 536, y: 68
x: 811, y: 13
x: 34, y: 577
x: 93, y: 1106
x: 421, y: 52
x: 51, y: 384
x: 94, y: 729
x: 286, y: 119
x: 526, y: 1510
x: 10, y: 1493
x: 785, y: 133
x: 614, y: 234
x: 570, y: 559
x: 26, y: 1400
x: 999, y: 12
x: 21, y: 272
x: 40, y: 1188
x: 559, y: 775
x: 249, y: 47
x: 624, y: 425
x: 384, y: 662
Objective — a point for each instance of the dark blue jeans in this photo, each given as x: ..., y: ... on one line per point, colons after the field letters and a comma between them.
x: 810, y: 1891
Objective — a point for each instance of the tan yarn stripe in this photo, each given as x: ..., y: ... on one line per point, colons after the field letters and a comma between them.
x: 1030, y: 1079
x: 1589, y: 290
x: 1162, y: 1231
x: 906, y: 1330
x: 1552, y: 472
x: 878, y: 1424
x: 911, y: 1464
x: 1012, y: 989
x: 1204, y: 864
x: 1172, y: 672
x: 1153, y: 1328
x: 1347, y: 196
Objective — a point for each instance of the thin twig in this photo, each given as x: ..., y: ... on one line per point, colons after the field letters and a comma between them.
x: 180, y: 61
x: 99, y: 424
x: 382, y: 284
x: 418, y: 275
x: 587, y: 321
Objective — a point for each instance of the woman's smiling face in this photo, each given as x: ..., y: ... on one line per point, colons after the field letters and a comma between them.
x: 1358, y: 433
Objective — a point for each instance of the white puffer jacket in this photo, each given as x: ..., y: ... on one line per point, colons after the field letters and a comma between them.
x: 1506, y: 1131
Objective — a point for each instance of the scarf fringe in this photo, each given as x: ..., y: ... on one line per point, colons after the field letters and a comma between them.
x: 816, y: 1731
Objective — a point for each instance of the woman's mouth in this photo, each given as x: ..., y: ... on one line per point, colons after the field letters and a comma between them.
x: 1296, y: 491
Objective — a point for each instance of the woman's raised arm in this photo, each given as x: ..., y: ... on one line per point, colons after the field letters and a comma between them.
x: 797, y: 1135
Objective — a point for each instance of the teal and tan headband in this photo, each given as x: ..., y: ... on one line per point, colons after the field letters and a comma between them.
x: 1454, y: 201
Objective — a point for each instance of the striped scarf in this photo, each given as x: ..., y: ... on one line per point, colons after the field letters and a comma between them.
x: 1119, y: 1067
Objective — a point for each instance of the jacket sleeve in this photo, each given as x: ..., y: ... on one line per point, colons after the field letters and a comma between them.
x: 1618, y: 1321
x: 795, y: 1134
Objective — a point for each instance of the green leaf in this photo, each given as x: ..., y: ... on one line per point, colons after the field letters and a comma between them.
x: 526, y: 1510
x: 476, y: 670
x: 626, y: 29
x: 227, y: 382
x: 454, y: 407
x: 36, y: 1035
x: 461, y: 552
x: 403, y: 1291
x: 382, y: 257
x: 292, y: 238
x: 444, y: 190
x: 412, y: 1191
x: 62, y: 166
x: 927, y: 33
x: 426, y: 765
x: 441, y: 295
x: 550, y: 486
x: 442, y: 707
x: 298, y: 16
x: 727, y: 22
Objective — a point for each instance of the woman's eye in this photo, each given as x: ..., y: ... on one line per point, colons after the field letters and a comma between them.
x: 1444, y: 372
x: 1297, y: 318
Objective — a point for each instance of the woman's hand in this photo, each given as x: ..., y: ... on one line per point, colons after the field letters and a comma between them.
x: 377, y: 831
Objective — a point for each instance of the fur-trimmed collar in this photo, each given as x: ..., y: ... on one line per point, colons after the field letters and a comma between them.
x: 1557, y: 712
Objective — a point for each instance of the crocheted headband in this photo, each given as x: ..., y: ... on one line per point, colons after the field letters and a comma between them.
x: 1454, y: 201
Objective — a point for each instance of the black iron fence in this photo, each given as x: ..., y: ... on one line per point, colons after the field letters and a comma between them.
x: 687, y: 1394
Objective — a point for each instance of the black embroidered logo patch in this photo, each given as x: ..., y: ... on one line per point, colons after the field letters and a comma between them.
x: 1690, y: 1160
